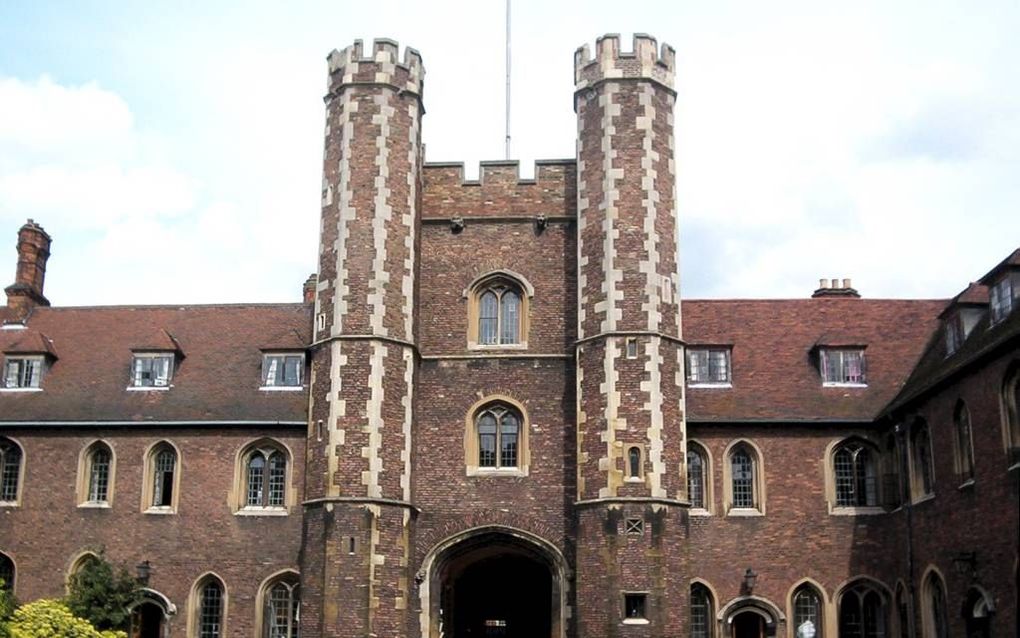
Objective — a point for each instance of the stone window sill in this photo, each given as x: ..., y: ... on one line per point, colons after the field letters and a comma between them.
x: 160, y: 511
x: 105, y: 505
x: 635, y: 621
x: 744, y: 512
x: 866, y: 510
x: 262, y: 511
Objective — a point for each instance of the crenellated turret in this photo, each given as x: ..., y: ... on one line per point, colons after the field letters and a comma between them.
x: 358, y: 478
x: 630, y: 403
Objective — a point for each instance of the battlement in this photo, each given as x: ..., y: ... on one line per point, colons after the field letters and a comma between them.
x: 382, y: 66
x: 645, y: 60
x: 499, y: 190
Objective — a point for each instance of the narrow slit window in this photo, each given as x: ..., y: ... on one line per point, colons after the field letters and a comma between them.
x: 634, y: 462
x: 163, y: 478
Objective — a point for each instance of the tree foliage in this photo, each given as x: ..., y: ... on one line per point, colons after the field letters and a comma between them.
x: 101, y: 595
x: 7, y: 606
x: 52, y: 619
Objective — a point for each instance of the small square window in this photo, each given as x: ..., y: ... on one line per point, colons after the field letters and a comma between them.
x: 843, y: 367
x: 23, y: 372
x: 152, y: 370
x: 634, y: 607
x: 708, y: 366
x: 635, y: 526
x: 1000, y: 299
x: 282, y: 370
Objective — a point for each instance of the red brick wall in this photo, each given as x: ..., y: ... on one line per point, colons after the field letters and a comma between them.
x: 45, y: 534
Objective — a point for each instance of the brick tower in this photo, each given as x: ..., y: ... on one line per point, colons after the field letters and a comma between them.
x: 631, y: 501
x: 357, y: 514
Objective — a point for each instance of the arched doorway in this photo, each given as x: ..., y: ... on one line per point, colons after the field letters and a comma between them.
x: 748, y: 624
x: 493, y: 582
x: 149, y: 617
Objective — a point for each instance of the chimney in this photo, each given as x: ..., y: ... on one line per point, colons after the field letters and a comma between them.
x: 27, y: 290
x: 835, y: 288
x: 308, y: 289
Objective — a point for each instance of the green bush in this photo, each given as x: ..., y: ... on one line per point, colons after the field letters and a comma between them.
x: 102, y: 596
x: 52, y: 619
x: 7, y: 606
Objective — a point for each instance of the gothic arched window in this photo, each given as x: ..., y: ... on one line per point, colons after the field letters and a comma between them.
x: 701, y: 611
x: 964, y: 442
x: 743, y: 480
x: 10, y: 471
x: 498, y: 311
x: 862, y: 612
x: 209, y: 597
x: 95, y: 475
x: 855, y: 466
x: 499, y: 436
x: 924, y: 470
x: 697, y: 472
x: 936, y: 623
x: 807, y: 612
x: 280, y: 609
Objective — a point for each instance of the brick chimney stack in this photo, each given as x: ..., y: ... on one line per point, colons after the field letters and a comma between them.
x: 308, y: 289
x: 835, y: 289
x: 27, y: 290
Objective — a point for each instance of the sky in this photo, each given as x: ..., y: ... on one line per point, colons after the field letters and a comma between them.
x: 174, y: 150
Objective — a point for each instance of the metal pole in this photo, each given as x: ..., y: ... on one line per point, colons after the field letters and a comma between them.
x: 507, y: 79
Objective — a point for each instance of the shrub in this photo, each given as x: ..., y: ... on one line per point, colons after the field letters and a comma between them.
x: 102, y: 596
x: 52, y: 619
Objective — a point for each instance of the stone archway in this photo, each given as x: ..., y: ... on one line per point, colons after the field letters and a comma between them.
x: 493, y: 582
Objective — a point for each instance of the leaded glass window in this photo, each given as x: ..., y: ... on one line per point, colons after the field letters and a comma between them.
x: 499, y: 434
x: 10, y: 470
x: 281, y: 615
x: 862, y: 613
x: 163, y: 467
x: 500, y: 310
x: 964, y: 444
x: 282, y: 370
x: 708, y: 366
x: 843, y: 367
x: 266, y: 478
x: 99, y: 474
x: 856, y: 475
x: 807, y: 612
x: 210, y: 619
x: 701, y: 612
x: 695, y: 478
x: 742, y: 471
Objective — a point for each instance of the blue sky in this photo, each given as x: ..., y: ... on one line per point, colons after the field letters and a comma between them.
x: 174, y: 151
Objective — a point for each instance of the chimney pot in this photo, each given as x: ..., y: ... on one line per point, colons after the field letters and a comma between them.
x: 835, y: 283
x: 823, y: 283
x: 846, y: 283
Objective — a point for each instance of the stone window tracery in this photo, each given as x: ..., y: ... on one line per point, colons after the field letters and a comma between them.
x: 855, y: 466
x: 498, y: 312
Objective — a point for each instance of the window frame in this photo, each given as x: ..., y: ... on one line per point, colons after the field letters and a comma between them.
x: 710, y: 624
x: 86, y: 468
x: 288, y: 578
x: 757, y: 479
x: 802, y: 586
x: 922, y: 475
x: 138, y: 357
x: 472, y: 445
x: 935, y: 616
x: 498, y: 282
x: 861, y: 589
x: 954, y: 333
x: 240, y: 493
x: 641, y: 598
x: 708, y: 352
x: 38, y: 361
x: 5, y: 473
x: 267, y: 366
x: 833, y: 480
x: 825, y: 368
x: 195, y: 604
x: 1000, y: 300
x: 695, y: 446
x: 150, y: 461
x: 1009, y: 397
x: 963, y: 444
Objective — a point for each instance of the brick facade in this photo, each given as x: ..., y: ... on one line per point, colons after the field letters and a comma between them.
x: 393, y: 512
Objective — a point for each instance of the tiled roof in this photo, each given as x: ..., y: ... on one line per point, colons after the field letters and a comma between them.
x: 217, y: 379
x: 775, y: 360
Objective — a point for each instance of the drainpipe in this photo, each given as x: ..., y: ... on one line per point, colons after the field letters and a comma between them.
x: 908, y: 508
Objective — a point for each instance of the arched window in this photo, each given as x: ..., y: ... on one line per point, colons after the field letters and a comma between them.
x: 498, y: 311
x: 743, y: 480
x: 920, y: 449
x: 697, y: 473
x: 499, y: 433
x: 280, y: 609
x: 95, y: 475
x: 1011, y: 413
x: 862, y: 612
x: 6, y: 572
x: 964, y: 442
x: 209, y: 599
x: 162, y: 469
x: 855, y: 465
x: 266, y: 478
x: 936, y: 623
x: 977, y: 614
x: 902, y: 611
x: 634, y: 463
x: 701, y: 612
x: 808, y: 617
x: 10, y: 471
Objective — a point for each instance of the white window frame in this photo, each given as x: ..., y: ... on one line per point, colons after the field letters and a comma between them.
x: 1000, y: 300
x: 134, y: 381
x: 269, y: 365
x: 708, y: 352
x: 22, y: 384
x: 842, y: 365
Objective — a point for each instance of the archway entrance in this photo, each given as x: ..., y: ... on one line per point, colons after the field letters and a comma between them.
x: 493, y: 583
x: 748, y: 624
x: 147, y: 620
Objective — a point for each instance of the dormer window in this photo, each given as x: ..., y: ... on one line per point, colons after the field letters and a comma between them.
x: 23, y: 373
x: 1000, y: 299
x: 152, y: 370
x: 843, y: 366
x: 708, y: 366
x: 282, y: 370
